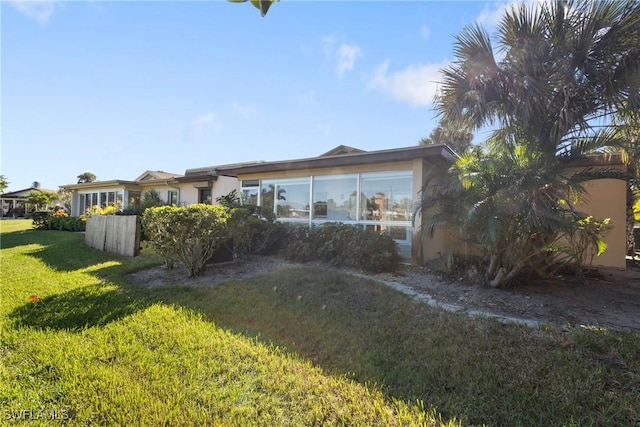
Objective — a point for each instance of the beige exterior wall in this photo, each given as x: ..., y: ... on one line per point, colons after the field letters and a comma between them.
x: 189, y: 191
x: 188, y: 194
x: 223, y: 186
x: 162, y: 189
x: 607, y: 199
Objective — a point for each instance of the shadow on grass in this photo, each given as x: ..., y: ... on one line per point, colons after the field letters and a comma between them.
x: 67, y: 252
x: 80, y: 308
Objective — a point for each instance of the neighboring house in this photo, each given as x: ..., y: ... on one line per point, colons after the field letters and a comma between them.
x: 116, y: 192
x: 14, y: 204
x: 202, y: 185
x: 376, y: 190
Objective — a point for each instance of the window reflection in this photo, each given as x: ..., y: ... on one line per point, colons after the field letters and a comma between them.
x: 386, y: 196
x: 334, y: 197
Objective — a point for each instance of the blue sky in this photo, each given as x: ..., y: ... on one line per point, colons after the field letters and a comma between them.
x: 117, y: 88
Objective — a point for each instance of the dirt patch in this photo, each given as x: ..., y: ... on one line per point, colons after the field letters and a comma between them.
x: 609, y: 299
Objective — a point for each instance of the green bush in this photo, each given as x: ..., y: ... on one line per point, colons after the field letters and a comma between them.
x: 190, y: 234
x: 69, y: 223
x: 253, y: 230
x: 46, y: 220
x: 342, y: 245
x: 40, y: 220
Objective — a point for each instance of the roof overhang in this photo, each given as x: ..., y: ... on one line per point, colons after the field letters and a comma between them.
x: 99, y: 184
x: 435, y: 153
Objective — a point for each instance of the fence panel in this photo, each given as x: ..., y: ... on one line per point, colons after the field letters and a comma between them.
x: 118, y: 234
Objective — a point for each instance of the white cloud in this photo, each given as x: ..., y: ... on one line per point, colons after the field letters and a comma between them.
x: 342, y: 56
x: 202, y: 124
x: 491, y: 15
x: 425, y: 32
x: 40, y: 11
x: 347, y: 55
x: 415, y: 85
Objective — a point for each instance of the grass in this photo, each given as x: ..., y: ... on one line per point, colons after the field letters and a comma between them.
x: 349, y: 351
x: 82, y: 345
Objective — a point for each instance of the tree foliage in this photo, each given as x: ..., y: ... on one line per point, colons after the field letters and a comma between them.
x: 40, y: 198
x: 4, y: 183
x: 262, y: 5
x: 189, y: 234
x: 517, y: 208
x: 457, y: 138
x: 564, y: 65
x: 627, y: 129
x: 86, y: 177
x: 563, y: 69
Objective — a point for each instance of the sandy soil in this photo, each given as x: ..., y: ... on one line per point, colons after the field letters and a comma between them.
x: 609, y: 299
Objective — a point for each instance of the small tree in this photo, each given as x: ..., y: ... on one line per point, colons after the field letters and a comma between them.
x: 40, y: 198
x: 35, y: 184
x: 3, y: 183
x: 516, y: 207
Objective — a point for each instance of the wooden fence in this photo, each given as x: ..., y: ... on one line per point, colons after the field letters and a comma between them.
x: 118, y: 234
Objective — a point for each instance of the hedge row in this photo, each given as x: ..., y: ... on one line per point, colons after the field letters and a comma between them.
x: 342, y: 245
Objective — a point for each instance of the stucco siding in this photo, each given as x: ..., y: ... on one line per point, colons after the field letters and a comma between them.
x: 607, y: 199
x: 223, y: 186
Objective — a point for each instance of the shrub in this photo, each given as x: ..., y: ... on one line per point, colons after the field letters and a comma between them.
x: 60, y: 220
x: 253, y: 230
x: 67, y: 223
x: 190, y: 234
x: 107, y: 210
x: 342, y: 245
x: 150, y: 199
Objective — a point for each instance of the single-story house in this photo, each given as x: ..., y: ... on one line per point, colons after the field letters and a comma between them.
x: 375, y: 190
x: 201, y: 185
x: 14, y: 204
x: 379, y: 190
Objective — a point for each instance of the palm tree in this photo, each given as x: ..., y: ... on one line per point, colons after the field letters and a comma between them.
x: 456, y: 138
x: 505, y: 201
x: 566, y: 65
x: 563, y: 69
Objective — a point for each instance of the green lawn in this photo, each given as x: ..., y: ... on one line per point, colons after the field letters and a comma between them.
x: 297, y: 347
x: 99, y: 351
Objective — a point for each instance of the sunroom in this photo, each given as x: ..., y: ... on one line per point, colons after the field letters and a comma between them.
x: 376, y: 190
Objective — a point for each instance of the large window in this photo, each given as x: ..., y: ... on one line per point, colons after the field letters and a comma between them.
x: 386, y: 196
x: 102, y: 199
x: 289, y: 197
x: 335, y: 197
x: 250, y: 190
x: 380, y: 201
